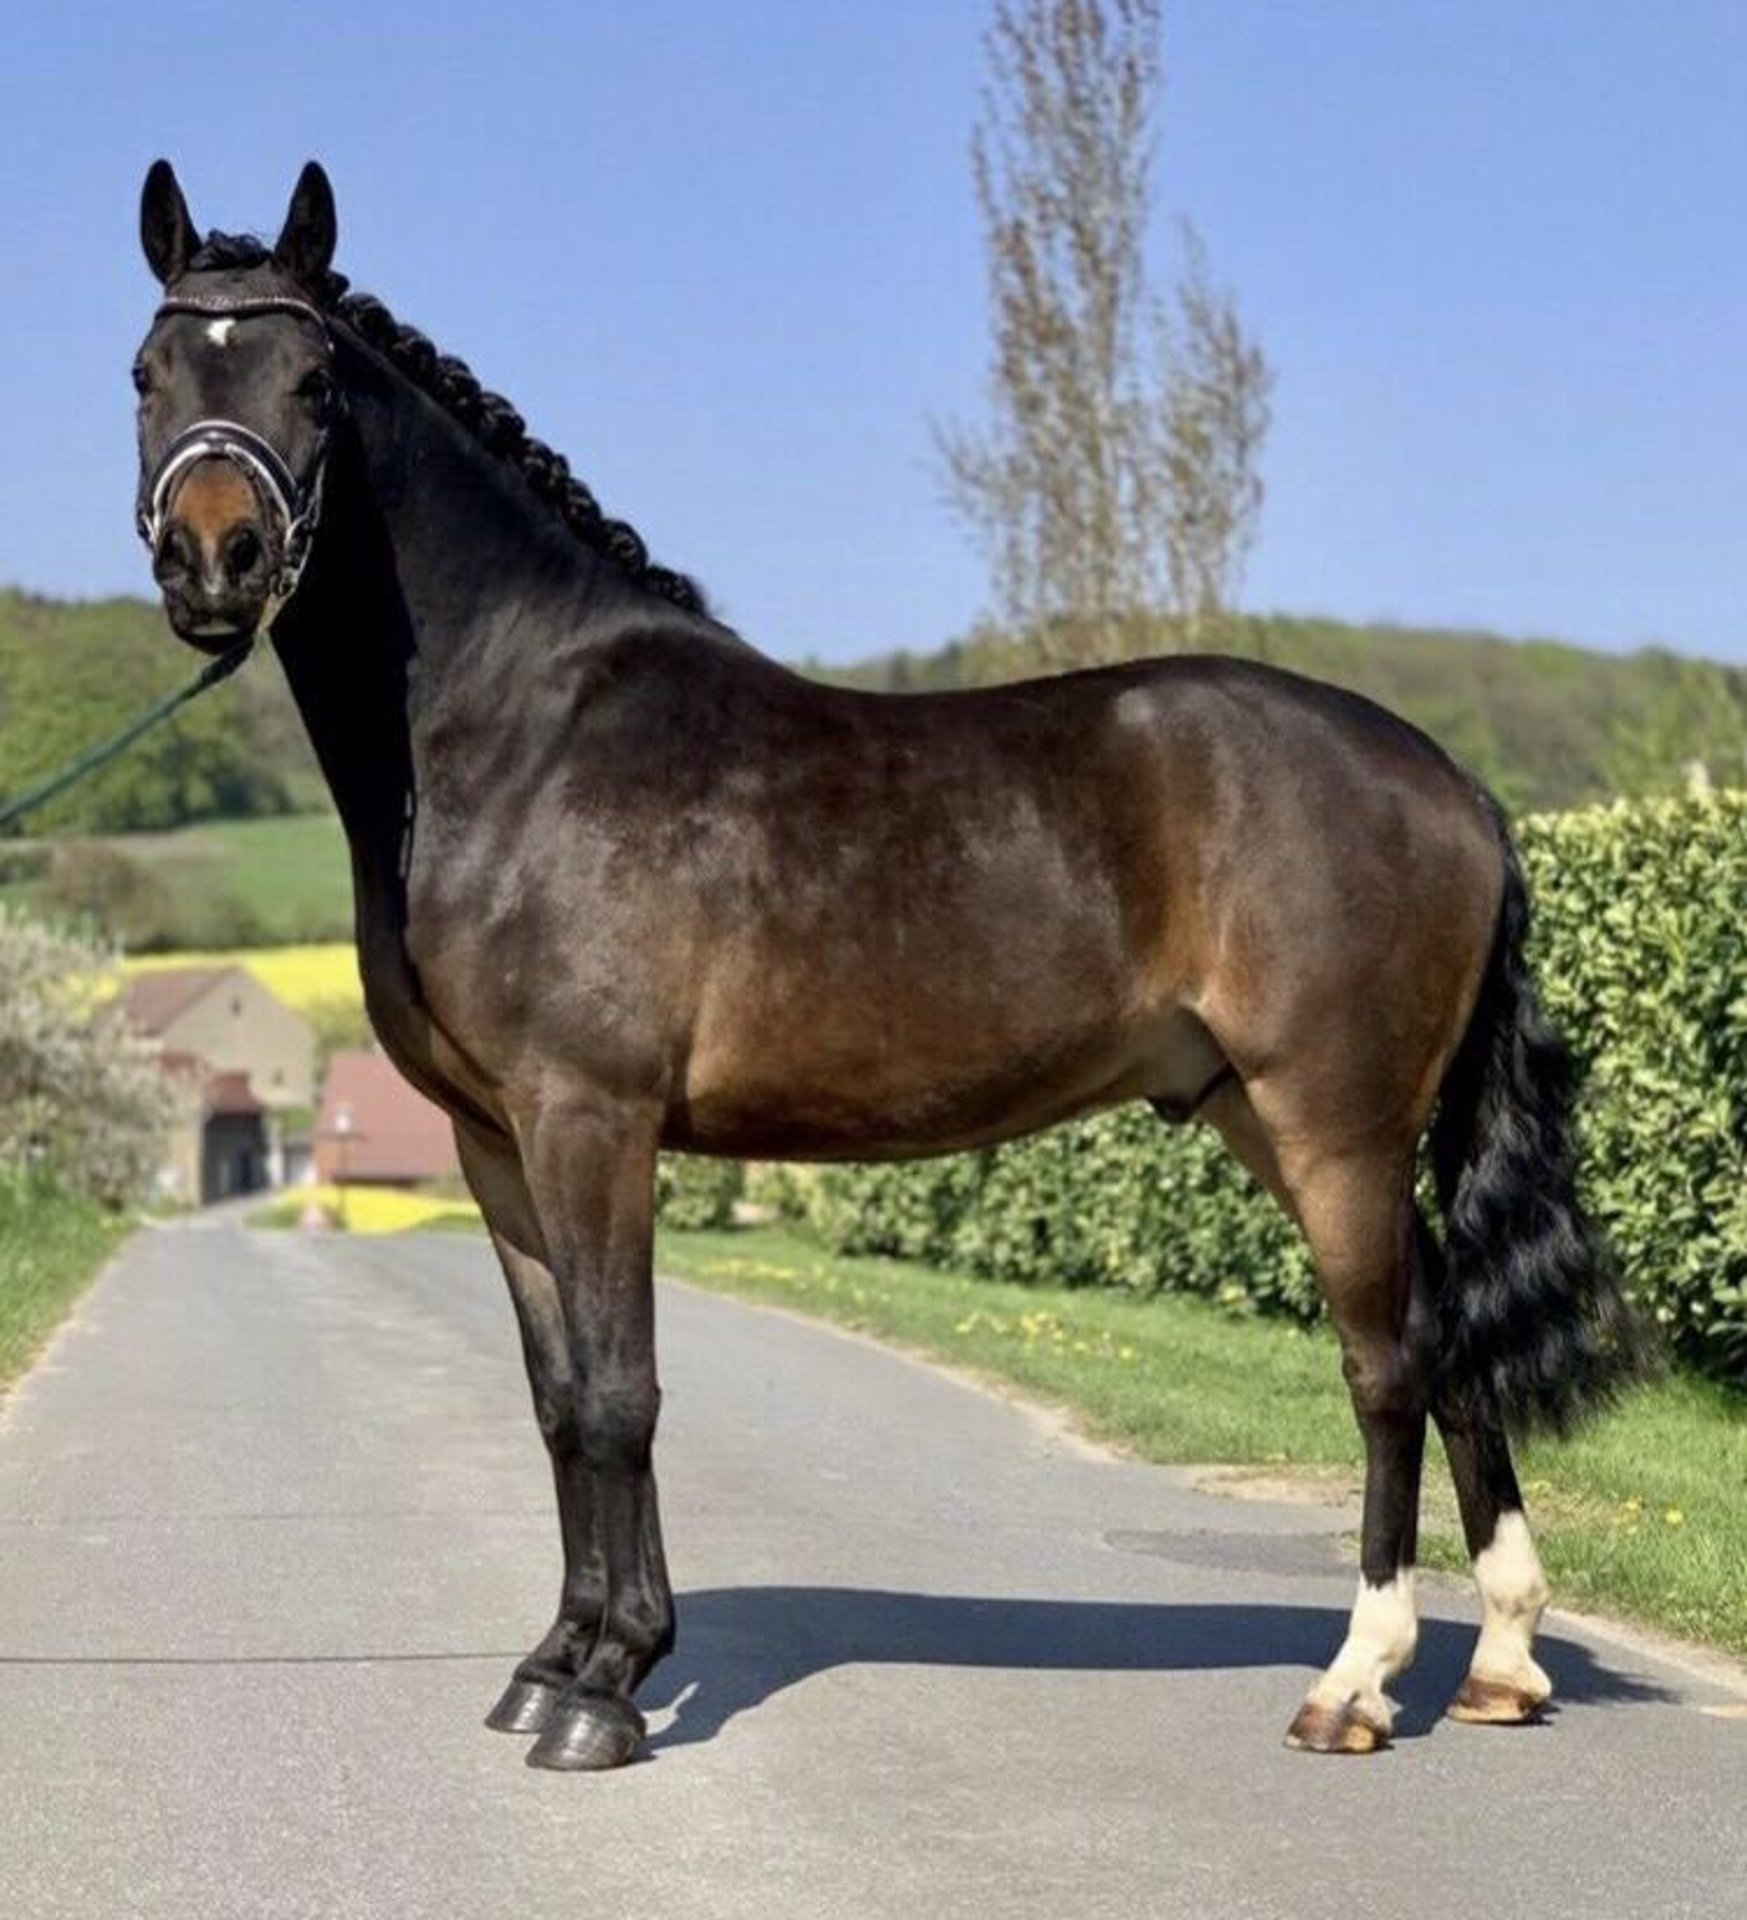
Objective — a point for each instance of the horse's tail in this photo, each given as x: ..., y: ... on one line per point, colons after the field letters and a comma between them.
x: 1534, y: 1325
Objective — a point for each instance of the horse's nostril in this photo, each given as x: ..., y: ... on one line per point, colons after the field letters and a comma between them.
x: 176, y: 556
x: 243, y: 554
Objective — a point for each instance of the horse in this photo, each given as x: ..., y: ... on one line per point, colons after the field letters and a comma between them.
x: 624, y: 884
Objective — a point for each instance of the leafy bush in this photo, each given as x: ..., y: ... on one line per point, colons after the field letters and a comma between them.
x: 1641, y: 949
x: 83, y: 1100
x: 694, y: 1193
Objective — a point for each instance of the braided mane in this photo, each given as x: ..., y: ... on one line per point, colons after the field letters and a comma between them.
x: 488, y: 417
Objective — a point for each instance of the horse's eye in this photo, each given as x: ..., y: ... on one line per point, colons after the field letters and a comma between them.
x: 142, y: 378
x: 317, y: 387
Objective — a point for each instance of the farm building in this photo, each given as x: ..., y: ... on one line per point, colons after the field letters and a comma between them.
x: 220, y: 1145
x: 248, y: 1063
x: 374, y: 1129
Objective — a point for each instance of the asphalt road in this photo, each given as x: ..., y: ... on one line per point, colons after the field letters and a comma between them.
x: 274, y: 1527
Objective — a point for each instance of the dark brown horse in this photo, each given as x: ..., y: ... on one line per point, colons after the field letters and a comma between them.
x: 624, y: 884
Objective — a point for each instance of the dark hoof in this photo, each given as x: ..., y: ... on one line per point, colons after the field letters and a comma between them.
x: 1496, y: 1703
x: 589, y: 1733
x: 1324, y: 1728
x: 526, y: 1706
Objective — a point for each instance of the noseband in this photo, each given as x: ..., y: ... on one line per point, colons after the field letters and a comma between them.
x: 296, y: 503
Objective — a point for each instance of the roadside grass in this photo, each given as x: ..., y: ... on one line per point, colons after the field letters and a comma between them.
x: 1643, y: 1515
x: 51, y: 1247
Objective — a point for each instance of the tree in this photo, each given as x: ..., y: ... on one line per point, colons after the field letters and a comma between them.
x: 84, y: 1102
x: 1118, y: 473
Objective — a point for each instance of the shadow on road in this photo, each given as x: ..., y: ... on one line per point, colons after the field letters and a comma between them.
x: 739, y: 1646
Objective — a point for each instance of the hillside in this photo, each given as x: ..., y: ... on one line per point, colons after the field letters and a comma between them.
x: 73, y: 672
x: 1545, y: 724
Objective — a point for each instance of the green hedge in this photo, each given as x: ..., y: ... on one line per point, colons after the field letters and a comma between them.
x: 1641, y: 948
x: 694, y: 1193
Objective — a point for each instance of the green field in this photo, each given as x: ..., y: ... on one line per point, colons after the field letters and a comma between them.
x: 1644, y: 1515
x: 270, y: 882
x: 290, y: 874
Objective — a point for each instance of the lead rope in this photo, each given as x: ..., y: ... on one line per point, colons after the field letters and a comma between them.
x: 209, y: 676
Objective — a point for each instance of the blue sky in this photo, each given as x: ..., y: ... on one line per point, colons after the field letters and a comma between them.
x: 726, y: 257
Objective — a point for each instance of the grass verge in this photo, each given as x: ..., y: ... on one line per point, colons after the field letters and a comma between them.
x: 50, y: 1249
x: 1644, y: 1515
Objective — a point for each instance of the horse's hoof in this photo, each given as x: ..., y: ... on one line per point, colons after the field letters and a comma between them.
x: 1496, y: 1703
x: 525, y: 1707
x: 1336, y: 1727
x: 589, y: 1733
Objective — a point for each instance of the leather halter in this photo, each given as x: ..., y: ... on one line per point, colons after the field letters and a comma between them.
x: 296, y: 503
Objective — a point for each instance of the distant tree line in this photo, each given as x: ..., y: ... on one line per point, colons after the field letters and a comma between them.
x: 1545, y: 724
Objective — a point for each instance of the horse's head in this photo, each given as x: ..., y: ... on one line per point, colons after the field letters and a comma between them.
x: 237, y: 402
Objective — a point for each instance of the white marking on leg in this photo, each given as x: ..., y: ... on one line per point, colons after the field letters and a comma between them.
x: 1513, y: 1593
x: 219, y: 332
x: 1381, y: 1637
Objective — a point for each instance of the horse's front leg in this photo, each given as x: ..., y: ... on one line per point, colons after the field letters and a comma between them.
x: 591, y: 1173
x: 493, y: 1170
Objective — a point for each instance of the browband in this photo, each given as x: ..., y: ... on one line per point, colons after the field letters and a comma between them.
x: 242, y: 306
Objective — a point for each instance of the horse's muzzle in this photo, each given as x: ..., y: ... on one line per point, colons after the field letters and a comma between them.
x: 215, y: 565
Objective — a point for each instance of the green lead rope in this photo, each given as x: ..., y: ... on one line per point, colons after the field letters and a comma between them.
x: 209, y: 676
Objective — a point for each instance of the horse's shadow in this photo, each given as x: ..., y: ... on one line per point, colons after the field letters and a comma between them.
x: 739, y: 1646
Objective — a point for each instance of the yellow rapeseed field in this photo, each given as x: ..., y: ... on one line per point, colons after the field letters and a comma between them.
x: 303, y: 977
x: 383, y: 1209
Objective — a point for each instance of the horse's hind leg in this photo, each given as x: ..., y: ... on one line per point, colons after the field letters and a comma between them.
x: 1358, y: 1215
x: 1505, y: 1686
x: 1356, y: 1209
x: 494, y: 1173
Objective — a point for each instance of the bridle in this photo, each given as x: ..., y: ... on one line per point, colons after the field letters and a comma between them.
x: 296, y: 503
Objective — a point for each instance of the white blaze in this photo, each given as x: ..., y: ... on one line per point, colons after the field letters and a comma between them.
x: 219, y: 332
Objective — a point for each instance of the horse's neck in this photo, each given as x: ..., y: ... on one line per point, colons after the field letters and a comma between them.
x: 417, y: 642
x: 423, y: 558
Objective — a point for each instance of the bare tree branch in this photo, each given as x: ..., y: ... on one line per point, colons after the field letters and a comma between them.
x: 1096, y: 487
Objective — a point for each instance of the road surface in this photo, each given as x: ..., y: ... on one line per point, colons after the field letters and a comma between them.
x: 274, y: 1527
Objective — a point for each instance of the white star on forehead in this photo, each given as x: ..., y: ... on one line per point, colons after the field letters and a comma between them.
x: 219, y: 332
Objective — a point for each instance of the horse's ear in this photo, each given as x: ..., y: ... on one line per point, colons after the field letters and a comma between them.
x: 166, y: 232
x: 305, y: 247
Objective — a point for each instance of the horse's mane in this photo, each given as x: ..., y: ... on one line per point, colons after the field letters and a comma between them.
x: 488, y: 417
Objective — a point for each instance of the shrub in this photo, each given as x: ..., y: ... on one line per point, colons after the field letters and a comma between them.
x: 83, y: 1100
x: 1641, y: 950
x: 693, y: 1193
x: 1640, y: 945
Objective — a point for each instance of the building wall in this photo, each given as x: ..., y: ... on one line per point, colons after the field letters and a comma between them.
x: 179, y: 1176
x: 238, y: 1025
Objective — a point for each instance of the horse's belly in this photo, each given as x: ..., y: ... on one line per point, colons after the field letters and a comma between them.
x: 803, y: 1100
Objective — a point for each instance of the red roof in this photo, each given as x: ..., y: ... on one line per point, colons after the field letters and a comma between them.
x: 154, y: 1000
x: 227, y: 1092
x: 374, y: 1126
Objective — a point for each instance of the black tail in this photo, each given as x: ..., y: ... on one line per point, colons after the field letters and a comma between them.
x: 1534, y: 1324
